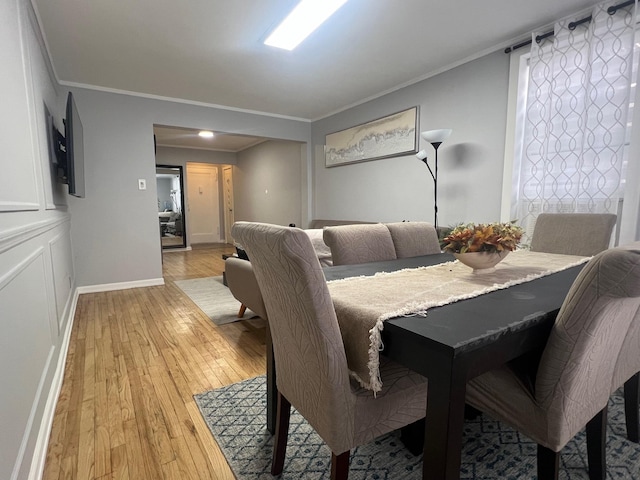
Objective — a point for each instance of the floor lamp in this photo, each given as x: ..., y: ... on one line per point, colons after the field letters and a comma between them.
x: 435, y: 138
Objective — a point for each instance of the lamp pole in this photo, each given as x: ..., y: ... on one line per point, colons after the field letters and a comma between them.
x: 434, y: 175
x: 435, y: 186
x: 435, y: 138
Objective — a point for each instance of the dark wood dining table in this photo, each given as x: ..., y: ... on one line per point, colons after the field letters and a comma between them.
x: 455, y: 343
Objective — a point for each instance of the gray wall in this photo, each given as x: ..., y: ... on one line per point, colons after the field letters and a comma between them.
x: 180, y: 156
x: 472, y: 100
x: 36, y: 271
x: 268, y: 182
x: 116, y: 219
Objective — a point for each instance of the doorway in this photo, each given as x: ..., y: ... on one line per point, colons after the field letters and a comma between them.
x: 204, y: 203
x: 170, y: 188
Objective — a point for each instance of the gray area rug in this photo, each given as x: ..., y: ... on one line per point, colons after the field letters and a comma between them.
x: 236, y: 417
x: 214, y: 299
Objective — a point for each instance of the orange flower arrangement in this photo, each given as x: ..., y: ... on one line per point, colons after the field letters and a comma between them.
x: 483, y: 237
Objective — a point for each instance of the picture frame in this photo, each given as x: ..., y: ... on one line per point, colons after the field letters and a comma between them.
x: 390, y: 136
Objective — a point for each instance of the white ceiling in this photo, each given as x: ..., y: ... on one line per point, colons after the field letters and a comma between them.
x: 188, y: 138
x: 211, y: 51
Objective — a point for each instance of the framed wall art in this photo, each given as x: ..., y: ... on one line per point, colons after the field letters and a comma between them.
x: 390, y: 136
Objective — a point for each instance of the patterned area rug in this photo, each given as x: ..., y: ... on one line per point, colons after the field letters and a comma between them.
x: 214, y: 299
x: 236, y: 417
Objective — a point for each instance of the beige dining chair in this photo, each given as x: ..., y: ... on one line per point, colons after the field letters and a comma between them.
x: 572, y: 385
x: 627, y: 372
x: 311, y: 364
x: 412, y: 239
x: 572, y: 233
x: 243, y: 286
x: 352, y: 244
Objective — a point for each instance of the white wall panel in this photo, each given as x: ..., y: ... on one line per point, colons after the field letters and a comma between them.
x: 25, y: 347
x: 62, y: 267
x: 19, y: 190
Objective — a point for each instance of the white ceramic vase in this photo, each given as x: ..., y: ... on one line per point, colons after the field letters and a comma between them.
x: 481, y: 262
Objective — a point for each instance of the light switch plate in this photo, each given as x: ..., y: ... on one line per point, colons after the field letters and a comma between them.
x: 142, y: 184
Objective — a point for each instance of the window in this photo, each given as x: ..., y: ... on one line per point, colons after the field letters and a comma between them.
x: 568, y: 138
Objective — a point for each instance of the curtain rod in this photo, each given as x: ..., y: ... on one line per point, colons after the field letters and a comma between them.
x: 611, y: 10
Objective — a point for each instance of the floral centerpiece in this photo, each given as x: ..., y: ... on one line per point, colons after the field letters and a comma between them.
x: 481, y: 246
x: 483, y: 237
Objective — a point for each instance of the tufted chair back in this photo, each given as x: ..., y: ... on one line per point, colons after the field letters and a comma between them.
x: 572, y: 233
x: 352, y: 244
x: 412, y: 239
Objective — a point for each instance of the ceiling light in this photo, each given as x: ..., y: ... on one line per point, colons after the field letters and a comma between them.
x: 205, y: 134
x: 303, y: 19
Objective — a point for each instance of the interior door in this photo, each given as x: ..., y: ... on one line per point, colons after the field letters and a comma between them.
x: 204, y: 204
x: 227, y: 185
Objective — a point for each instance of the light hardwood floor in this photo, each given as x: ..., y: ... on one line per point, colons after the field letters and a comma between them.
x: 135, y: 360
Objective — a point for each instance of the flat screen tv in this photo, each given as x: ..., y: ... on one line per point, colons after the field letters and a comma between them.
x: 68, y: 150
x: 75, y: 149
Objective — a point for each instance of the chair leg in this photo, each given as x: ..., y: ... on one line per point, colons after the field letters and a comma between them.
x: 597, y: 445
x: 243, y: 308
x: 471, y: 413
x: 632, y: 407
x: 272, y: 387
x: 340, y: 466
x: 548, y: 464
x: 282, y: 432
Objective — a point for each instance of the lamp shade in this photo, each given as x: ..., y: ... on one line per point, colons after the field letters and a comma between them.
x: 436, y: 136
x: 422, y: 154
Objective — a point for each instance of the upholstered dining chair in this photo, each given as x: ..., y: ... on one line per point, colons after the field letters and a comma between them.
x: 573, y: 382
x: 572, y: 233
x: 243, y: 286
x: 627, y: 372
x: 312, y: 373
x: 412, y: 239
x: 351, y: 244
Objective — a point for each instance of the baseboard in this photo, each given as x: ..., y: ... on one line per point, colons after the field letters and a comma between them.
x: 42, y: 441
x: 170, y: 250
x: 108, y: 287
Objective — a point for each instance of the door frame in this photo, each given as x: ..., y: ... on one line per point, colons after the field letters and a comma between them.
x: 229, y: 213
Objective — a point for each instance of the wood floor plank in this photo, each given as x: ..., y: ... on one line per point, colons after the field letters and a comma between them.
x: 136, y: 465
x: 102, y: 459
x: 114, y: 411
x: 212, y: 451
x: 136, y: 358
x: 119, y: 465
x: 86, y: 448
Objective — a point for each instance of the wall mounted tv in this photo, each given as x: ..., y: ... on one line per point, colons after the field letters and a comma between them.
x: 67, y: 153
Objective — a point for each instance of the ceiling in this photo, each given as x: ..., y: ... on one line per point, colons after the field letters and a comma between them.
x: 189, y: 138
x: 211, y: 51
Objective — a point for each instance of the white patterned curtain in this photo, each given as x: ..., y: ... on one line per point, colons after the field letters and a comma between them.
x: 576, y: 122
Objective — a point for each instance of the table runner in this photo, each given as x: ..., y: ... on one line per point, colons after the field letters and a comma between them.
x: 362, y: 304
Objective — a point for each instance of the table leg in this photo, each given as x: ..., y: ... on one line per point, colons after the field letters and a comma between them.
x: 444, y: 425
x: 272, y: 390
